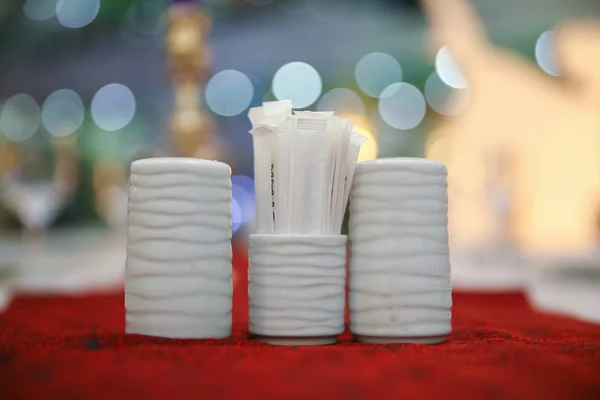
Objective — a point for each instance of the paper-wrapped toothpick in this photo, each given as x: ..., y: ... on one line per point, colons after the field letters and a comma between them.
x: 264, y: 121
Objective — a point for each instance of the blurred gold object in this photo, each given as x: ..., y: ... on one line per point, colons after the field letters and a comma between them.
x: 549, y: 130
x: 66, y: 170
x: 10, y: 156
x: 186, y: 43
x: 189, y: 60
x: 109, y: 180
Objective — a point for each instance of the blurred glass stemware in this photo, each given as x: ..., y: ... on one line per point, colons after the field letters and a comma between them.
x: 36, y: 187
x: 35, y: 191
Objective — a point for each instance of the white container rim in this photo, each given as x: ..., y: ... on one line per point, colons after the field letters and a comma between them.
x: 179, y: 164
x: 398, y: 162
x: 264, y: 238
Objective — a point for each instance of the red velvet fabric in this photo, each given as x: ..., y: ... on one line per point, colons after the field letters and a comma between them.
x: 74, y: 348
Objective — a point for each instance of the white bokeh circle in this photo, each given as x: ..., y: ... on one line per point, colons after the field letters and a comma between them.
x: 298, y: 82
x: 402, y: 106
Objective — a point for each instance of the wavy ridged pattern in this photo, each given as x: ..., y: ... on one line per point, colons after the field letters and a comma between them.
x: 399, y: 265
x: 297, y: 285
x: 178, y: 274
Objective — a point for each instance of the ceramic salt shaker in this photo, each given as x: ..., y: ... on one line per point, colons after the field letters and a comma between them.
x: 400, y: 290
x: 178, y: 270
x: 297, y: 288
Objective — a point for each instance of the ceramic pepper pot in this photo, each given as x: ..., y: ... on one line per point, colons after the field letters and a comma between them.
x: 297, y: 288
x: 178, y: 269
x: 399, y: 284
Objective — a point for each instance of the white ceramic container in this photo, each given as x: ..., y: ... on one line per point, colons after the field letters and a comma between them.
x: 400, y: 288
x: 297, y: 288
x: 178, y: 272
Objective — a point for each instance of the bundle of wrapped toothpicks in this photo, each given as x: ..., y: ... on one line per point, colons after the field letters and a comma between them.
x: 303, y: 167
x: 179, y: 271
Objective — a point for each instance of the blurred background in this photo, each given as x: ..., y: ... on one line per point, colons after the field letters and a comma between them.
x: 506, y: 94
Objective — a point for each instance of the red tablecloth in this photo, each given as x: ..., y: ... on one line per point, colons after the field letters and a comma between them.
x: 74, y: 348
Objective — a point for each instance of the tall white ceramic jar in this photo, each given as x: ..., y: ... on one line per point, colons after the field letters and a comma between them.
x: 400, y: 288
x: 297, y: 288
x: 178, y: 272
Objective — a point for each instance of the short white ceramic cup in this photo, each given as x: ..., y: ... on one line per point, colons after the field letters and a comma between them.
x: 178, y: 270
x: 400, y: 290
x: 297, y: 288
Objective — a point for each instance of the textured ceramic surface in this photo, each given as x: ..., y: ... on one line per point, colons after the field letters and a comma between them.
x: 297, y: 288
x: 178, y: 274
x: 400, y: 288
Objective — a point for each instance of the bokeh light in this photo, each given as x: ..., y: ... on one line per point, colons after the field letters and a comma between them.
x: 443, y: 98
x: 370, y: 148
x: 229, y: 93
x: 243, y: 190
x: 437, y: 147
x: 447, y: 69
x: 245, y: 182
x: 269, y: 96
x: 298, y: 82
x: 236, y: 215
x: 145, y: 17
x: 76, y: 13
x: 144, y: 23
x: 39, y: 10
x: 62, y: 112
x: 545, y: 53
x: 246, y: 202
x: 376, y: 71
x: 342, y: 101
x: 20, y: 117
x: 113, y: 107
x: 402, y: 106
